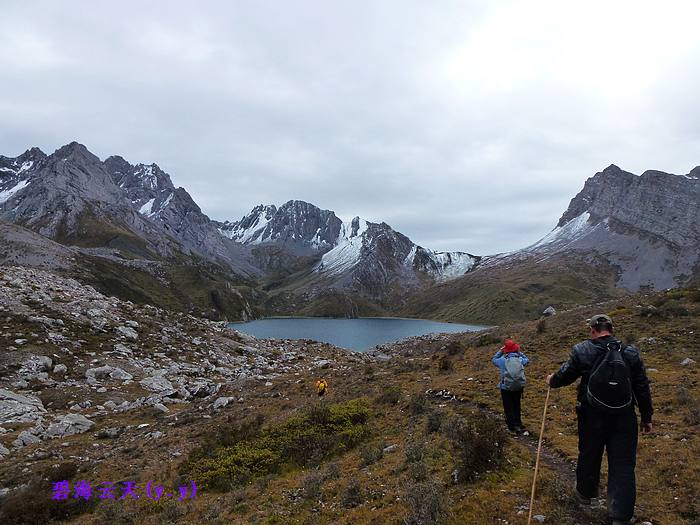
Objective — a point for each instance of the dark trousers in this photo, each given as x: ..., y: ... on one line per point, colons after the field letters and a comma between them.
x: 616, y: 434
x: 511, y: 408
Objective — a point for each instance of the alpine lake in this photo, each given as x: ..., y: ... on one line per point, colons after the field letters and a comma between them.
x: 359, y: 334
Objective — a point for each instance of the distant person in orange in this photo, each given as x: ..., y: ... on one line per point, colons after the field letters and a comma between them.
x: 321, y: 387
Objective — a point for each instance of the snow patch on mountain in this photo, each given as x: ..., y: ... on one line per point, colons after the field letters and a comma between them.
x: 347, y: 251
x: 146, y: 208
x: 563, y: 235
x: 451, y: 265
x: 6, y: 194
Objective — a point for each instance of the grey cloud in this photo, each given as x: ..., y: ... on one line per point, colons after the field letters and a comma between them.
x: 466, y: 127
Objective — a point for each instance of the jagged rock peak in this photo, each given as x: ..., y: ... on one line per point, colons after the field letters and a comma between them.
x: 75, y: 150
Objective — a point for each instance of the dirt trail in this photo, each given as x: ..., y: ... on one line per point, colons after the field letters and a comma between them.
x: 564, y: 468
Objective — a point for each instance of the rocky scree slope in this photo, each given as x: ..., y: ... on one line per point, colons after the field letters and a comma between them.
x: 647, y: 226
x: 74, y: 359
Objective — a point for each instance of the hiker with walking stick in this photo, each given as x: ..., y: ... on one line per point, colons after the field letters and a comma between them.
x: 613, y: 380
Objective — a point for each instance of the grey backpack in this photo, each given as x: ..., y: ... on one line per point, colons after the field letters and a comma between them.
x: 514, y: 377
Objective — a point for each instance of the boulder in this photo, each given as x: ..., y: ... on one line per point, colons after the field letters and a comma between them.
x: 158, y: 384
x: 549, y: 311
x: 69, y: 425
x: 60, y: 369
x: 16, y: 408
x: 203, y: 388
x: 25, y: 438
x: 102, y: 372
x: 221, y: 402
x: 687, y: 361
x: 109, y: 433
x: 3, y: 451
x: 127, y: 332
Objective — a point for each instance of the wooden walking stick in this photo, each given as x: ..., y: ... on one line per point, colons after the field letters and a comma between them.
x: 537, y: 461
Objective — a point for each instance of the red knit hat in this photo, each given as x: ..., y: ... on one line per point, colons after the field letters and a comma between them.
x: 510, y: 346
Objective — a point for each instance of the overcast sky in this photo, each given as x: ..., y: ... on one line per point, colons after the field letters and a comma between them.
x: 464, y: 125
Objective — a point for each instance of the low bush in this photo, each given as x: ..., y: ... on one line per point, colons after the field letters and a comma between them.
x: 390, y: 396
x: 488, y: 339
x: 302, y: 440
x: 479, y: 442
x: 541, y: 326
x: 445, y: 364
x: 352, y: 495
x: 33, y: 504
x: 415, y: 452
x: 453, y: 348
x: 434, y: 421
x: 417, y: 404
x: 370, y: 453
x: 686, y: 399
x: 426, y: 503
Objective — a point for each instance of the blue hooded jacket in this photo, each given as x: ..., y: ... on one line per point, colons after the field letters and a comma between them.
x: 500, y: 361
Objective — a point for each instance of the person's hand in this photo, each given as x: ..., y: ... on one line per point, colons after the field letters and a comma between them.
x: 645, y: 427
x: 549, y: 379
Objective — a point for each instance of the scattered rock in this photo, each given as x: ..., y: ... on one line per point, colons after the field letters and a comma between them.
x: 390, y: 448
x: 103, y: 372
x: 158, y: 384
x: 161, y: 407
x: 25, y: 438
x: 549, y: 311
x: 221, y: 402
x: 4, y: 451
x: 109, y: 433
x: 16, y: 408
x: 69, y: 425
x: 539, y: 517
x: 60, y: 369
x: 687, y: 361
x: 127, y: 332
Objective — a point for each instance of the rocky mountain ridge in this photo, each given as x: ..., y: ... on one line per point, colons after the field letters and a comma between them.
x: 648, y: 226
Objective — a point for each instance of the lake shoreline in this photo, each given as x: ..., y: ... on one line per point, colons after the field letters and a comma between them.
x: 359, y: 334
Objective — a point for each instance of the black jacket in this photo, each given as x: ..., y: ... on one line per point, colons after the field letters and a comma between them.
x: 584, y: 356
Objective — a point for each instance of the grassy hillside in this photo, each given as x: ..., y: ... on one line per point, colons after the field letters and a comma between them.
x: 389, y: 446
x: 515, y: 292
x: 189, y: 285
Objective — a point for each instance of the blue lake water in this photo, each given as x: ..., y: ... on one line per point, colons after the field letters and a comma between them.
x: 360, y: 334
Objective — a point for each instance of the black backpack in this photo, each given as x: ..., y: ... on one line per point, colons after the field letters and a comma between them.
x: 610, y: 383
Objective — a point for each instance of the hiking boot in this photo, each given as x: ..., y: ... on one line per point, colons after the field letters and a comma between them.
x: 581, y: 499
x: 522, y: 431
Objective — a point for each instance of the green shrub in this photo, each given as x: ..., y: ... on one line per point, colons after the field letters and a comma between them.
x: 302, y: 440
x: 390, y: 396
x: 371, y: 453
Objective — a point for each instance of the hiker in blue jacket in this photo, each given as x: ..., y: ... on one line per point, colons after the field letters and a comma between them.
x: 511, y: 362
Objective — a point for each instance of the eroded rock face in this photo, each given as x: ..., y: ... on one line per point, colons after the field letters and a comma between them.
x: 17, y: 408
x: 69, y: 425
